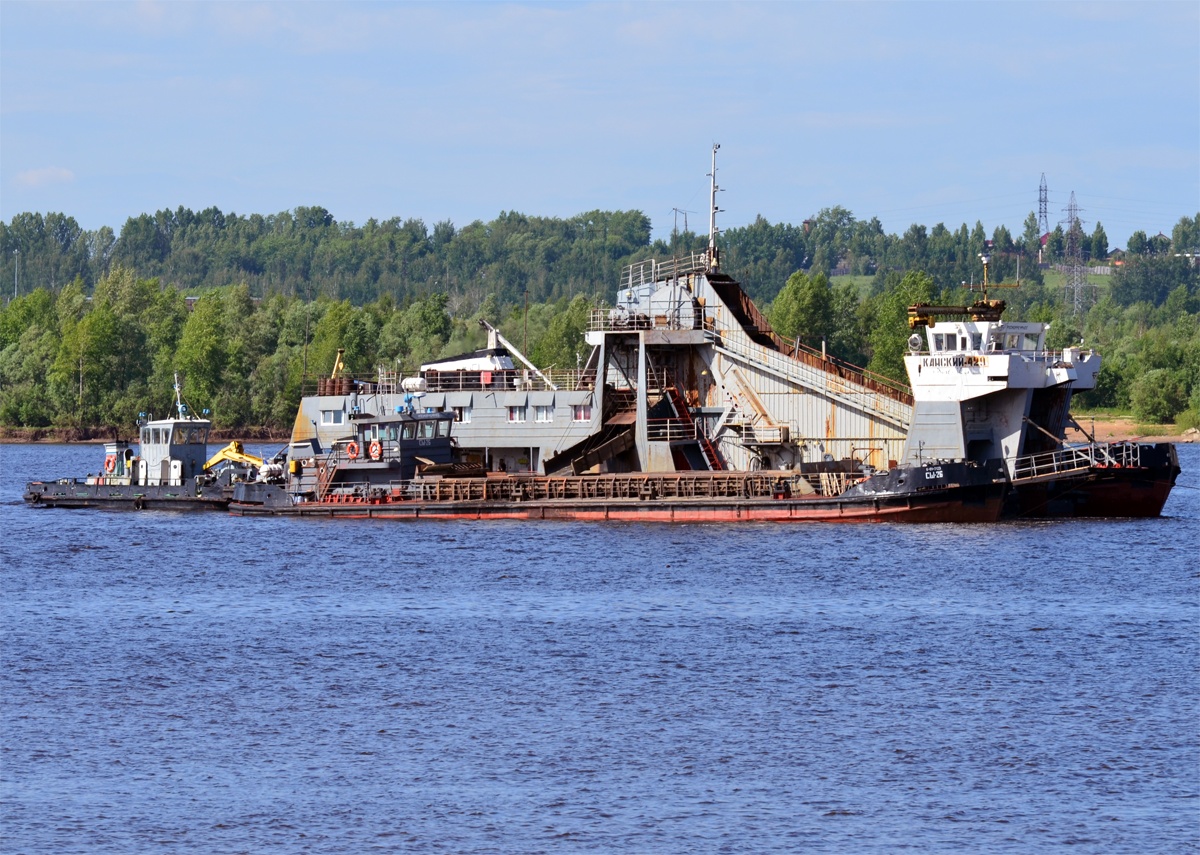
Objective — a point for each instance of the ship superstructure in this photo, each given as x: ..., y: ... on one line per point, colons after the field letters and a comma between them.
x: 988, y: 388
x: 684, y: 374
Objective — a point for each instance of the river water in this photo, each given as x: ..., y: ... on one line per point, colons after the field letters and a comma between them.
x: 203, y: 683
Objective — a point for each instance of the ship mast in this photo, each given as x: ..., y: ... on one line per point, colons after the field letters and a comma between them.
x: 179, y: 408
x: 923, y: 314
x: 714, y: 259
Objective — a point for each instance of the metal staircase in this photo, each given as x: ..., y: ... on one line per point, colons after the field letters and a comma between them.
x: 688, y: 428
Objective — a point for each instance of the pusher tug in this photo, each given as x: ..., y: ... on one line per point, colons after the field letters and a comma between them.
x: 171, y: 471
x: 986, y: 389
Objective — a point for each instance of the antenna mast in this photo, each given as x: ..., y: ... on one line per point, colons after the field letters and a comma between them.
x: 714, y: 260
x: 180, y: 409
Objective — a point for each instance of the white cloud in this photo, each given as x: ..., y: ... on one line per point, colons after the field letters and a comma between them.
x: 45, y: 175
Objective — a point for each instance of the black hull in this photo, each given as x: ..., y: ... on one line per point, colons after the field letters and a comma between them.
x: 1103, y: 491
x: 125, y: 497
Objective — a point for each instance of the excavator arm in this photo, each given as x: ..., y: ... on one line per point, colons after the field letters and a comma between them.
x: 234, y: 453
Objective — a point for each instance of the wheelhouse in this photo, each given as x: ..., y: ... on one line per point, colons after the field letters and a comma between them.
x: 172, y: 450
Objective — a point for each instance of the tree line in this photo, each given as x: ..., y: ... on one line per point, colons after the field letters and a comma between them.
x: 306, y: 253
x: 99, y: 345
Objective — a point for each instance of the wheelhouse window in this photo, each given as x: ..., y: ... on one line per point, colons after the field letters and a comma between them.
x: 581, y: 412
x: 543, y: 414
x: 517, y: 414
x: 333, y: 417
x: 189, y: 435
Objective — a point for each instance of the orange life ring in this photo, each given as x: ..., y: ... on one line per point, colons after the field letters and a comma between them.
x: 110, y: 463
x: 376, y: 450
x: 352, y: 450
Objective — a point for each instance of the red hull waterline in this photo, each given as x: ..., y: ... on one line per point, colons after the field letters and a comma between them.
x: 988, y: 510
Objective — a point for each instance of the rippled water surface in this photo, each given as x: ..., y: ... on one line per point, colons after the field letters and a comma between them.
x: 202, y: 683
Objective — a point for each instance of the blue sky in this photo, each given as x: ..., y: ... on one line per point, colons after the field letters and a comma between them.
x: 912, y: 112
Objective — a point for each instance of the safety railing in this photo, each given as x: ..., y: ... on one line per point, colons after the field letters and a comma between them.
x: 671, y: 430
x: 1077, y: 458
x: 649, y: 272
x: 684, y: 318
x: 499, y: 380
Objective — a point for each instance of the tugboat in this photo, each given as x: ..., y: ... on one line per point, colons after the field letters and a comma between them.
x: 986, y: 389
x: 171, y: 472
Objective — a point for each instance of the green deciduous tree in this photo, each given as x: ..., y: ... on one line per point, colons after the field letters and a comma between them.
x: 889, y: 331
x: 1158, y: 396
x: 1099, y: 243
x: 804, y: 309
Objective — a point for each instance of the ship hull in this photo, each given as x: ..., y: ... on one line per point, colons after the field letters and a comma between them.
x: 1104, y: 491
x: 123, y: 497
x: 663, y: 511
x: 962, y: 494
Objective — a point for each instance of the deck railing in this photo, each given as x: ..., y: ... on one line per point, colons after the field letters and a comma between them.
x: 501, y: 380
x: 615, y: 320
x: 650, y: 272
x: 1077, y: 458
x: 671, y: 430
